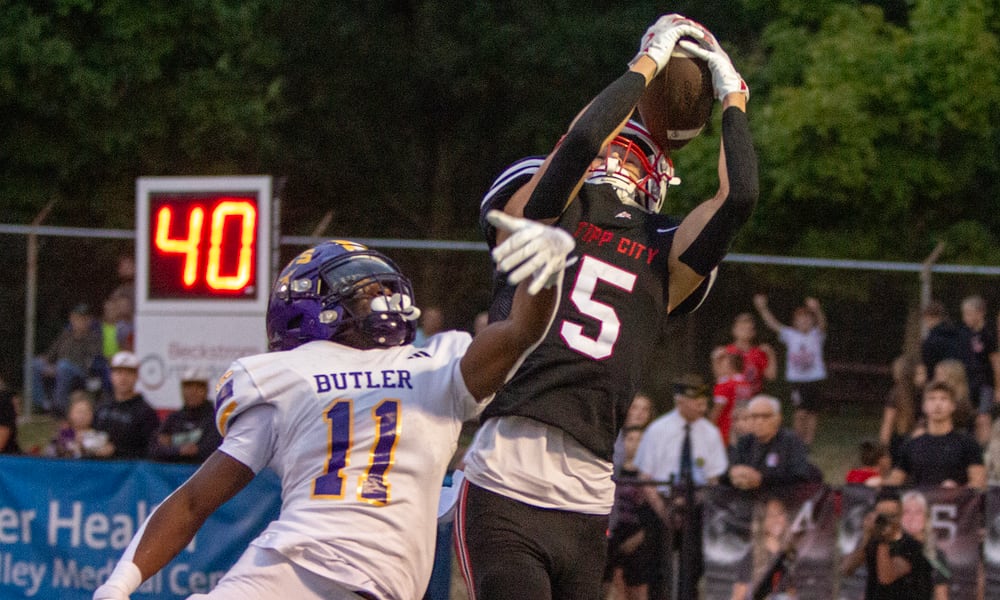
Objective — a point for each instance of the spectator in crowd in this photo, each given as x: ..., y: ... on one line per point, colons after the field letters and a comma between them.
x: 899, y: 415
x: 124, y: 292
x: 116, y: 329
x: 77, y: 438
x: 189, y: 435
x: 952, y: 372
x: 805, y: 368
x: 640, y: 413
x: 942, y: 339
x: 431, y: 322
x: 897, y: 567
x: 982, y: 364
x: 916, y: 521
x: 684, y: 447
x: 8, y: 420
x: 661, y: 454
x: 633, y: 529
x: 875, y: 464
x: 741, y: 425
x: 68, y: 361
x: 730, y: 388
x: 759, y: 361
x: 772, y: 540
x: 772, y: 455
x: 943, y: 456
x: 126, y: 417
x: 116, y: 335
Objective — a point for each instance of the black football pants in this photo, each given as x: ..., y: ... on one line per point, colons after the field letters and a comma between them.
x: 509, y: 550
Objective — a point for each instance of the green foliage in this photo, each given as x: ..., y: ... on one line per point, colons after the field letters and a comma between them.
x: 877, y: 137
x: 876, y: 122
x: 96, y: 94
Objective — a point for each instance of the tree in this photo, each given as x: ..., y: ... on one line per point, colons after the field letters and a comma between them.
x: 882, y: 139
x: 96, y: 94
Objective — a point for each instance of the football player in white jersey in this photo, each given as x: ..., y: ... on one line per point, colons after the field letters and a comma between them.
x: 359, y: 424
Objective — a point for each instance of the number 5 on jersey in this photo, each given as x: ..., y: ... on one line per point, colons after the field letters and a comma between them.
x: 591, y: 272
x: 372, y: 486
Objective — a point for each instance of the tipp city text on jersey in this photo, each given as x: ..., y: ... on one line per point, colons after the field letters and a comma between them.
x: 588, y: 233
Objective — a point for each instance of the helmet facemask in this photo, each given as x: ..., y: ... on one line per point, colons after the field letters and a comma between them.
x: 636, y: 168
x: 369, y: 293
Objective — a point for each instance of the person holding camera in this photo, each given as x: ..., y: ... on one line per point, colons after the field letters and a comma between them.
x: 897, y: 567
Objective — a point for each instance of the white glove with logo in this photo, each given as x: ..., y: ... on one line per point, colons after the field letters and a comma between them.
x: 532, y: 250
x: 397, y: 302
x: 661, y: 37
x: 725, y: 79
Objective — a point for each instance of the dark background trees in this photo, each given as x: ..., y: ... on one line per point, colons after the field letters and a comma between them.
x: 876, y: 123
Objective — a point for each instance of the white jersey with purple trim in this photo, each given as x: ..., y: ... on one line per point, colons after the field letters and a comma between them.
x: 361, y: 441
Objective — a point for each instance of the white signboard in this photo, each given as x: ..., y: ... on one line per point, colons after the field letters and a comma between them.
x: 203, y: 251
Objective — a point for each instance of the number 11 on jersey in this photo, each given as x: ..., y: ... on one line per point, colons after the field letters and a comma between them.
x: 372, y: 485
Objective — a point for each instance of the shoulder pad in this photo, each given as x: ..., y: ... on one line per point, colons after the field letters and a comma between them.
x: 237, y: 390
x: 501, y: 190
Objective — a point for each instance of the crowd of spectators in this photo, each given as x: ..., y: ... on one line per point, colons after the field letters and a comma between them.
x: 938, y: 428
x: 86, y: 380
x: 123, y: 425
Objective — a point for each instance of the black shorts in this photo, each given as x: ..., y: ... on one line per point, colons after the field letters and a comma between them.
x: 807, y: 395
x: 512, y: 550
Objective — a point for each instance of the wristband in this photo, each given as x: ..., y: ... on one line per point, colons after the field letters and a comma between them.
x: 125, y: 578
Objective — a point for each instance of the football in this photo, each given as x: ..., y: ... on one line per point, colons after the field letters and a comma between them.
x: 678, y: 102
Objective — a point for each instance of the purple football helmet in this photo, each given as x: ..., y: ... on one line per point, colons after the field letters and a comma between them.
x: 313, y: 296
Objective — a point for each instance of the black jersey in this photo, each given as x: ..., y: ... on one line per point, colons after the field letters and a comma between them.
x: 582, y: 376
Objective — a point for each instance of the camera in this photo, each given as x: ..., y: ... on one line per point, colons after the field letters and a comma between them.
x: 881, y: 521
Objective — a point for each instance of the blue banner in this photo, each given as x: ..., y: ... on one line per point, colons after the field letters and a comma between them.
x: 64, y: 523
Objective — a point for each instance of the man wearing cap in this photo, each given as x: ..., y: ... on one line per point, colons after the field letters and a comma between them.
x: 68, y: 361
x: 189, y: 435
x: 126, y: 417
x: 684, y: 447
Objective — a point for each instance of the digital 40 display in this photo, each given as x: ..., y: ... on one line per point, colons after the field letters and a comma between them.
x: 202, y: 246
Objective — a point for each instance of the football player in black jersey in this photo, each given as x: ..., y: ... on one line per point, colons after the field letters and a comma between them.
x: 532, y: 518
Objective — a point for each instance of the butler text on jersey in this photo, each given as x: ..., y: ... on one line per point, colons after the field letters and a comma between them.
x: 357, y: 380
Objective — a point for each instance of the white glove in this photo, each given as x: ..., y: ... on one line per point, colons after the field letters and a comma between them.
x: 661, y: 37
x: 124, y: 580
x: 725, y: 79
x: 397, y: 302
x: 532, y: 249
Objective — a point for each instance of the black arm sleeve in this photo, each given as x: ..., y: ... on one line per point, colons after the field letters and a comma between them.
x: 583, y: 141
x: 712, y: 244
